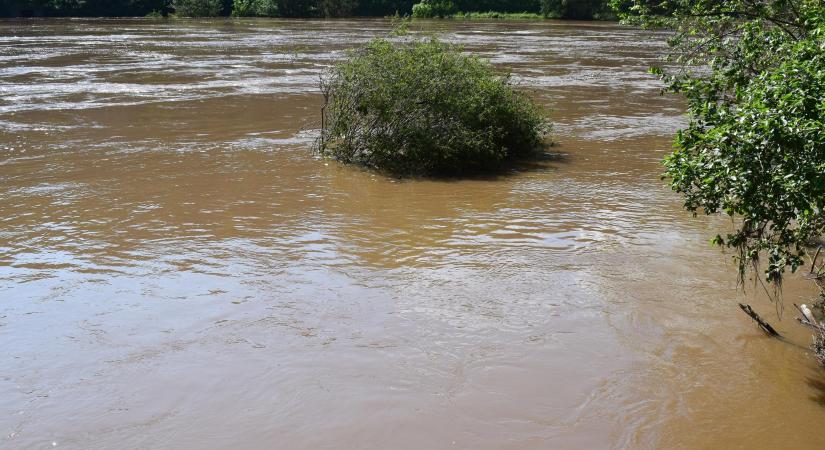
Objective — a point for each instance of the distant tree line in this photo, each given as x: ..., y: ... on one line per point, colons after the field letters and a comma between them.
x: 556, y: 9
x: 203, y: 8
x: 110, y: 8
x: 567, y: 9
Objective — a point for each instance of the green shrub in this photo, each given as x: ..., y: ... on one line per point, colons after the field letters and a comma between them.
x: 254, y: 8
x: 197, y: 8
x: 424, y: 108
x: 433, y: 8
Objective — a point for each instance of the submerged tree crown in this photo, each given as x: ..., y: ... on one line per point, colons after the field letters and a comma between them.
x: 753, y: 74
x: 422, y: 107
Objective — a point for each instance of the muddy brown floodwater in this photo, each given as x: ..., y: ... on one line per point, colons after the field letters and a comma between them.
x: 178, y: 271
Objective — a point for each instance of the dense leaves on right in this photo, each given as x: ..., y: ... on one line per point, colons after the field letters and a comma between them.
x: 753, y: 75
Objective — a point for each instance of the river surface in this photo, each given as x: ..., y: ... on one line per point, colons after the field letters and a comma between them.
x: 178, y: 271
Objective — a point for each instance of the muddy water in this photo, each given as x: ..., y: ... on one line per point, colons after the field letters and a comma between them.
x: 178, y: 271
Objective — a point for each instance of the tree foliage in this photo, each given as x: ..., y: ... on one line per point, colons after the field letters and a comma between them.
x: 559, y: 9
x: 197, y: 8
x: 576, y: 9
x: 383, y: 7
x: 753, y: 74
x: 423, y: 107
x: 434, y: 8
x: 254, y: 8
x: 111, y: 8
x: 506, y: 6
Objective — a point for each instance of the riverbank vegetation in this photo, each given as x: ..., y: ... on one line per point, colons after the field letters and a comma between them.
x: 198, y: 8
x: 203, y: 8
x: 422, y: 107
x: 463, y: 9
x: 755, y: 145
x: 515, y: 9
x: 497, y: 16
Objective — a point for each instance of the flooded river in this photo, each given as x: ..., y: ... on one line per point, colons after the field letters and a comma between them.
x: 178, y: 271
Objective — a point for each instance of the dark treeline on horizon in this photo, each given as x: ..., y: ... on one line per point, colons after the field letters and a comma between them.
x: 574, y: 9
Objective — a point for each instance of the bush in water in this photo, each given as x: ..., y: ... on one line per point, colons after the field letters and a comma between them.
x: 424, y: 108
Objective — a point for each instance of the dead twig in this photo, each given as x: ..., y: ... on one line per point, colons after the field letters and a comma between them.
x: 765, y: 326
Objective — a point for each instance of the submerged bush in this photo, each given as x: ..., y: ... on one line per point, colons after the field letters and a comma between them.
x: 423, y: 107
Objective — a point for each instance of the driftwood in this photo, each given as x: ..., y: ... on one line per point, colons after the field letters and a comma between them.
x: 808, y: 319
x: 765, y: 326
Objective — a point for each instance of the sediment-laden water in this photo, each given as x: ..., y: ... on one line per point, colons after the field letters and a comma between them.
x: 178, y: 271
